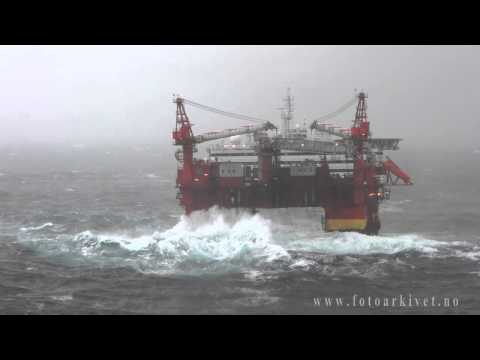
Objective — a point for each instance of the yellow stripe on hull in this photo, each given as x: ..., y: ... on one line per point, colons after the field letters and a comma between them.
x: 345, y: 224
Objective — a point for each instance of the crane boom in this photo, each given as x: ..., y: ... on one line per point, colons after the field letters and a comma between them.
x: 249, y: 129
x: 329, y: 129
x: 393, y: 168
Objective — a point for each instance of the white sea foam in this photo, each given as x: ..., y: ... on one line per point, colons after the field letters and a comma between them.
x: 253, y: 275
x: 36, y: 228
x: 249, y: 237
x: 302, y: 263
x: 350, y: 243
x: 472, y: 254
x: 91, y: 242
x: 62, y: 298
x: 247, y: 241
x: 209, y: 241
x: 219, y: 241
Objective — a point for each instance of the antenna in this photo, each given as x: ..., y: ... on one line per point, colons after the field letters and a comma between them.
x: 287, y: 112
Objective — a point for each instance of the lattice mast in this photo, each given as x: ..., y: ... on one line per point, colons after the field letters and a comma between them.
x: 287, y: 113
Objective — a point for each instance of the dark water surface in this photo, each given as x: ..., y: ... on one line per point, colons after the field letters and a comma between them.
x: 90, y: 230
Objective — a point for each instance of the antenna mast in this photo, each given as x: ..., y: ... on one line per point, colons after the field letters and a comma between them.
x: 287, y: 113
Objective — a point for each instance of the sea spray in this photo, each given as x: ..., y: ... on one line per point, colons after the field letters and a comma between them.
x: 214, y: 241
x: 219, y: 241
x: 351, y: 243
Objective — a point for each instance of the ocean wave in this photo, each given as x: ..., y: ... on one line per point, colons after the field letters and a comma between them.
x: 219, y: 241
x: 36, y: 228
x: 470, y: 254
x: 351, y: 243
x: 204, y: 242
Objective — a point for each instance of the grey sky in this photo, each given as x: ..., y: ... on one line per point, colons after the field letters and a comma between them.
x: 427, y: 95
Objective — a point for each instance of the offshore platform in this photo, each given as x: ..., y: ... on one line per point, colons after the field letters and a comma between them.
x: 342, y: 170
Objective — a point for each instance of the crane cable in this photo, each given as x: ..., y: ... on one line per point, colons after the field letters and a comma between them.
x: 224, y: 113
x: 338, y: 111
x: 343, y: 108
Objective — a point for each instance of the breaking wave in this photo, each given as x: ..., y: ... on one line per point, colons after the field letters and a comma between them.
x: 207, y: 242
x: 187, y: 245
x: 217, y: 241
x: 36, y: 228
x: 350, y: 243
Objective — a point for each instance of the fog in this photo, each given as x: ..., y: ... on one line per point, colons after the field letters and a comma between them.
x: 427, y: 95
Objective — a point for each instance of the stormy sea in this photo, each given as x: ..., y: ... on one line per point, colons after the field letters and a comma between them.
x: 98, y: 230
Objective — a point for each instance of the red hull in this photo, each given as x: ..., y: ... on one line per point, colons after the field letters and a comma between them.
x: 343, y: 210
